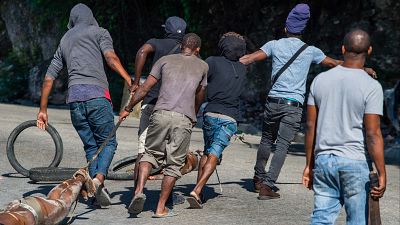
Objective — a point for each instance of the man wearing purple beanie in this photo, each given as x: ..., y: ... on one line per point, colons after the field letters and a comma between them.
x: 283, y: 112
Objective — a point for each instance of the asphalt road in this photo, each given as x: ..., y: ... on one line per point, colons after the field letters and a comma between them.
x: 235, y: 204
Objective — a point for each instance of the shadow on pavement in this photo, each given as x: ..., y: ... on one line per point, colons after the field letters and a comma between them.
x: 41, y: 190
x: 152, y: 196
x: 247, y: 184
x: 208, y: 192
x: 288, y: 183
x: 78, y: 216
x: 244, y: 183
x: 13, y: 175
x: 126, y: 196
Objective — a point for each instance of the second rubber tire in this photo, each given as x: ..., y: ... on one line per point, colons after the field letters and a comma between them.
x: 51, y: 173
x: 115, y: 173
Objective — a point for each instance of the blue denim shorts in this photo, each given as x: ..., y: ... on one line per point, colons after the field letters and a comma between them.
x: 217, y: 134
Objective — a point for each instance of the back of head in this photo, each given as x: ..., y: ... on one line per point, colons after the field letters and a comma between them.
x: 356, y: 43
x: 81, y: 14
x: 191, y: 41
x: 232, y: 45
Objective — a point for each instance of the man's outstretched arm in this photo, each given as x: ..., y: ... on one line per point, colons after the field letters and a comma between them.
x: 140, y: 93
x: 115, y: 64
x: 329, y: 62
x: 140, y: 60
x: 376, y: 151
x: 312, y: 115
x: 253, y: 57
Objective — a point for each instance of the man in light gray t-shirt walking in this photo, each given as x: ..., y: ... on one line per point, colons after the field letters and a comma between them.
x: 344, y: 102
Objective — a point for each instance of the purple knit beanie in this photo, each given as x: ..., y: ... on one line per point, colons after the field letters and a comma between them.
x: 298, y: 18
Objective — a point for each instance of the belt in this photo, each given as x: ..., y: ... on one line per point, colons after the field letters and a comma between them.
x: 284, y: 101
x: 220, y: 116
x: 170, y: 113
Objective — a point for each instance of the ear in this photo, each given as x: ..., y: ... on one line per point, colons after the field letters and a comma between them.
x: 285, y: 30
x: 369, y: 50
x: 343, y: 49
x: 197, y: 50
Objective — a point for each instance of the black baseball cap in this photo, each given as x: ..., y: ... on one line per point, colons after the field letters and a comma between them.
x: 175, y: 25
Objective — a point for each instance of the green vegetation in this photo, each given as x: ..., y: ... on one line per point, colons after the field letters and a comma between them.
x: 13, y: 78
x: 131, y: 23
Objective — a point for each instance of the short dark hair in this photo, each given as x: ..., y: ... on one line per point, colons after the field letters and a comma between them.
x: 357, y: 42
x: 191, y: 41
x: 232, y: 34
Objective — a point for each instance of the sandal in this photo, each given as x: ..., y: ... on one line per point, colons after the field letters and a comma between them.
x: 102, y: 196
x: 137, y: 204
x: 194, y: 201
x: 170, y: 213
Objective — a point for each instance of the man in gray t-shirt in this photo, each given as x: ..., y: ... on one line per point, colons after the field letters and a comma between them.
x: 337, y: 97
x: 181, y: 74
x: 184, y: 77
x: 344, y: 102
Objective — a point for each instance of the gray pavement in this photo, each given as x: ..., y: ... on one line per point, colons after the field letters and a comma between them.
x: 236, y: 204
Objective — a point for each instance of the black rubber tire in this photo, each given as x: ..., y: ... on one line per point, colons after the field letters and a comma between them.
x: 51, y: 173
x: 114, y: 172
x: 13, y: 136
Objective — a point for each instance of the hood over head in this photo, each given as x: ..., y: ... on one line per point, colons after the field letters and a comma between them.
x: 232, y: 46
x: 81, y: 15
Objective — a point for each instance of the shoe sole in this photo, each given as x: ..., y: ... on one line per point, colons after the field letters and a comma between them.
x: 137, y: 204
x: 193, y: 203
x: 102, y: 197
x: 267, y: 197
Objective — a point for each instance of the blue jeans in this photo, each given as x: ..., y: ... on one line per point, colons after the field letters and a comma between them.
x: 217, y: 134
x: 340, y: 181
x: 94, y: 120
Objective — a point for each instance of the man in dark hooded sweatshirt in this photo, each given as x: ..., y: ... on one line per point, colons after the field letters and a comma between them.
x: 81, y: 51
x: 226, y: 79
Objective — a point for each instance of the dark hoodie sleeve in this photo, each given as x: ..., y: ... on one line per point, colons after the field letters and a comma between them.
x: 105, y: 41
x: 56, y: 64
x: 209, y: 62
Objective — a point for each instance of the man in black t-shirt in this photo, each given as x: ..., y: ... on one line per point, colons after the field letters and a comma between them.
x: 226, y: 79
x: 174, y: 31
